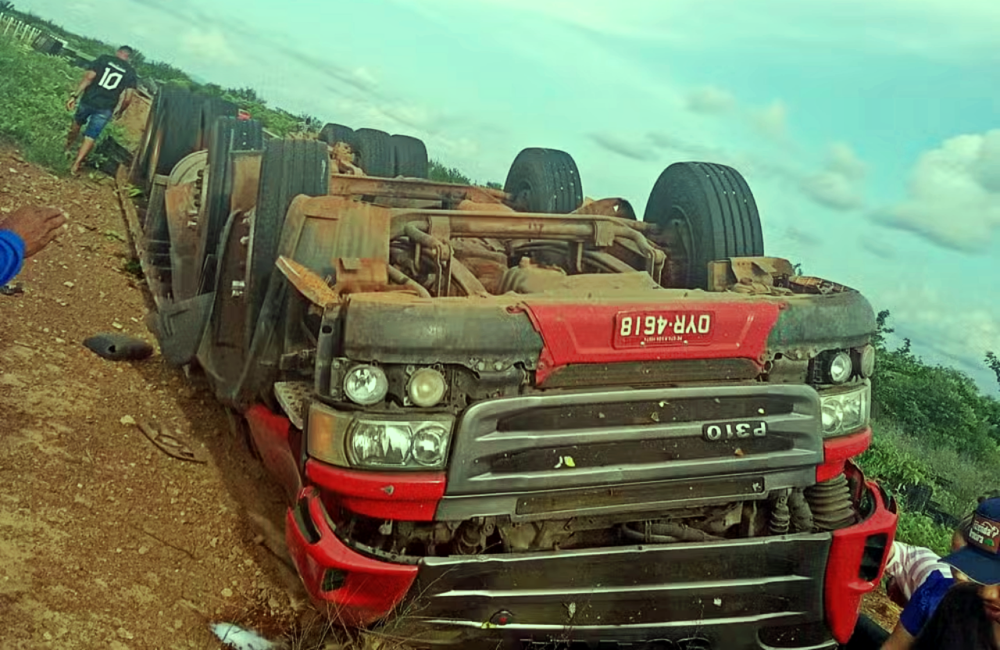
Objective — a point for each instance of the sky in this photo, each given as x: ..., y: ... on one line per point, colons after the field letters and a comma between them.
x: 867, y: 129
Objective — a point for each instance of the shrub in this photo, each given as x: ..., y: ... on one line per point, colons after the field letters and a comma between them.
x: 920, y: 530
x: 33, y: 92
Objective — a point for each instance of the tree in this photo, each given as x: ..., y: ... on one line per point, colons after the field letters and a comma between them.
x: 993, y: 363
x: 5, y: 5
x: 881, y: 329
x: 441, y: 174
x: 493, y: 185
x: 248, y: 95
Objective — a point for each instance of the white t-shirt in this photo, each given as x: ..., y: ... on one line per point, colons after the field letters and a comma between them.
x: 910, y: 566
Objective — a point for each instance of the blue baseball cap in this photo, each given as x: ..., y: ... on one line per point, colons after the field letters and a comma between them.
x: 980, y: 559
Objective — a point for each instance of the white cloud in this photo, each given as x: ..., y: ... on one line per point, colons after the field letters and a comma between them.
x: 954, y: 194
x: 842, y: 160
x: 959, y: 334
x: 710, y: 99
x: 772, y: 121
x: 636, y: 150
x: 833, y: 190
x: 839, y: 184
x: 209, y: 44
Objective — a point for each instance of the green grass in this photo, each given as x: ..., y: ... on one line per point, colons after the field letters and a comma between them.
x: 33, y: 92
x: 898, y: 459
x: 33, y: 115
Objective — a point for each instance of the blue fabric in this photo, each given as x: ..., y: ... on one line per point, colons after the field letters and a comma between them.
x: 11, y: 255
x: 95, y: 119
x: 924, y: 602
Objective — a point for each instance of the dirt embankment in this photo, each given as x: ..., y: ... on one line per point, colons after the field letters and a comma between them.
x: 105, y: 541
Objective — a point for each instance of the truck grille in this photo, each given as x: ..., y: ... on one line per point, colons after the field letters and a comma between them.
x: 614, y: 451
x: 727, y: 593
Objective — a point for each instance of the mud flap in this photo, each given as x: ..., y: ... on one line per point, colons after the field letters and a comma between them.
x: 179, y: 327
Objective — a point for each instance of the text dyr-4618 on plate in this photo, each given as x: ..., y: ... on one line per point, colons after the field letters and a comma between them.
x: 650, y: 328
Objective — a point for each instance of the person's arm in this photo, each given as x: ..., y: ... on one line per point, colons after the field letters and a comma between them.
x: 24, y: 233
x: 900, y: 639
x: 11, y: 255
x: 127, y: 98
x: 88, y: 79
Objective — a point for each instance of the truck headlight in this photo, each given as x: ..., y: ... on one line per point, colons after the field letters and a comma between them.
x: 398, y: 444
x: 845, y: 411
x: 426, y: 387
x: 366, y: 385
x: 839, y: 367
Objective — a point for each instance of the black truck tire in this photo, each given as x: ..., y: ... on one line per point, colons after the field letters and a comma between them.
x: 411, y: 156
x: 229, y: 134
x: 710, y: 207
x: 544, y: 180
x: 154, y: 121
x: 177, y: 133
x: 334, y: 133
x: 289, y: 168
x: 211, y: 110
x: 374, y: 153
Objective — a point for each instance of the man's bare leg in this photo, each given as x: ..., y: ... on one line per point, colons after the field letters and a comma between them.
x: 74, y: 133
x: 88, y: 144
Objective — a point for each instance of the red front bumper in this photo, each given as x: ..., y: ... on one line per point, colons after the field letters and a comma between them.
x: 352, y: 589
x: 857, y: 560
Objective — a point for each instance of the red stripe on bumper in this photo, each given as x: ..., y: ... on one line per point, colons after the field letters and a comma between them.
x: 380, y: 495
x: 844, y: 585
x: 837, y: 451
x: 370, y: 589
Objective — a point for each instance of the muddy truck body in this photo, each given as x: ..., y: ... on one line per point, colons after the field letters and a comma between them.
x: 517, y: 416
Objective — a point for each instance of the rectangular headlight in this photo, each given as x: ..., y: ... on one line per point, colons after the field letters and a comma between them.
x: 379, y: 441
x: 845, y: 411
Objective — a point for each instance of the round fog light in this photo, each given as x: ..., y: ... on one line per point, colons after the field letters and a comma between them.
x: 839, y: 368
x: 366, y: 385
x: 426, y: 387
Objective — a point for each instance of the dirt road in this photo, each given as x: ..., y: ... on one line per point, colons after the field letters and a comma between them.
x: 105, y: 541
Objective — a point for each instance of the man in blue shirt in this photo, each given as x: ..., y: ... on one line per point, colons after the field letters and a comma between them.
x: 975, y: 560
x: 24, y: 233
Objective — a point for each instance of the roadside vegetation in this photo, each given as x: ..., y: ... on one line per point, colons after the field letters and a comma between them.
x: 935, y: 431
x: 936, y: 440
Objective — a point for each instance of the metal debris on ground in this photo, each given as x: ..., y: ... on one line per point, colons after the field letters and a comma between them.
x: 240, y: 638
x: 167, y: 443
x: 118, y: 347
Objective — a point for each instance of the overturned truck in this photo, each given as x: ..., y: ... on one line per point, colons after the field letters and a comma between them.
x: 521, y: 417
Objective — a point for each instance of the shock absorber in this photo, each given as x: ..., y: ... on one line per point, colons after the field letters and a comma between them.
x: 780, y: 516
x: 831, y: 504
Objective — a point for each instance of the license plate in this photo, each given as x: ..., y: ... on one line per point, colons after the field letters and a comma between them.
x: 734, y: 430
x: 635, y: 329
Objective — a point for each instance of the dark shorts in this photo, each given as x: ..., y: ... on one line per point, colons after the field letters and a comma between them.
x: 95, y: 119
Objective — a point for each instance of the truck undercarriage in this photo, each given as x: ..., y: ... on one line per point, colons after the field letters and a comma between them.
x: 520, y: 416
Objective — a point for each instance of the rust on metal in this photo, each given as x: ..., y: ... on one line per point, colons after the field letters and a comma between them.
x: 168, y: 444
x: 409, y: 188
x: 615, y: 207
x: 310, y: 285
x: 246, y: 179
x: 230, y: 306
x: 139, y: 239
x: 182, y: 211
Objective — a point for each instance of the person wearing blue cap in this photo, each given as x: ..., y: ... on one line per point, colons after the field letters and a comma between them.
x: 975, y: 565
